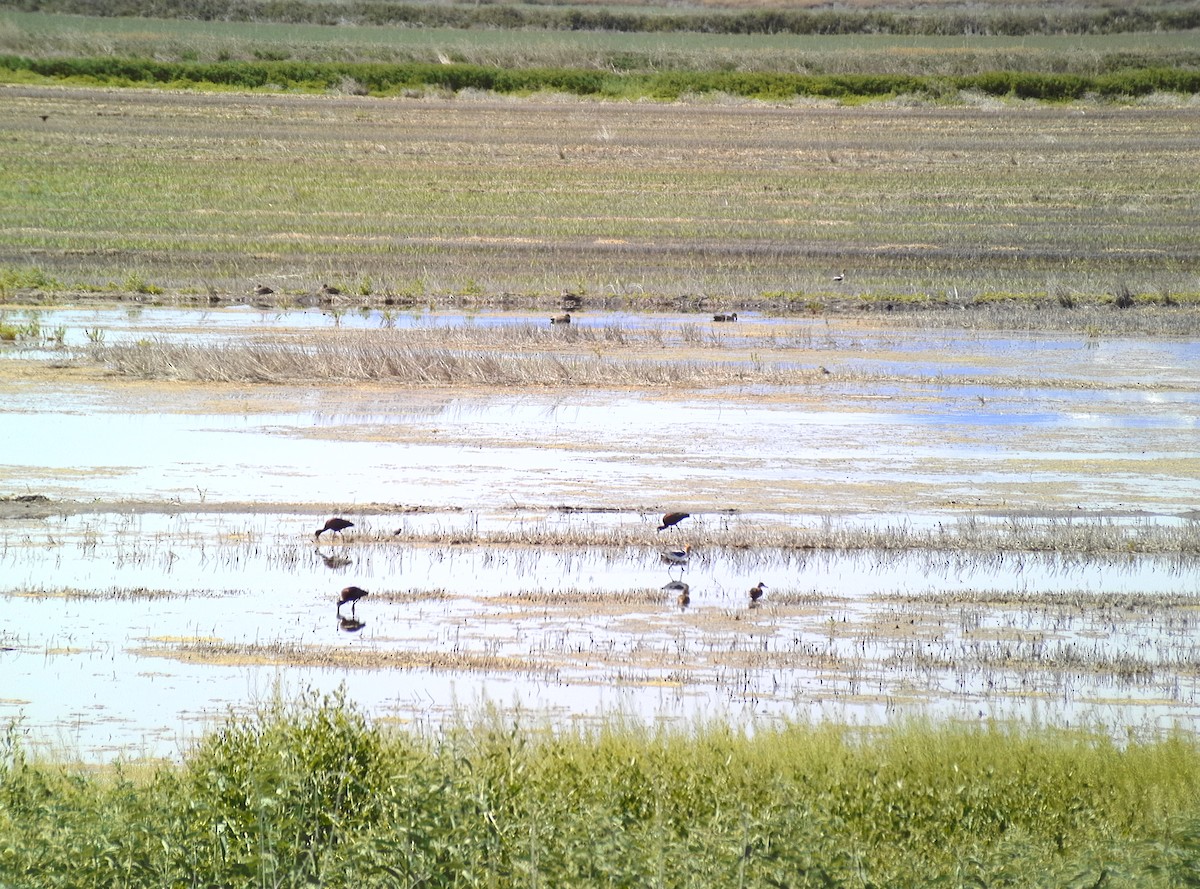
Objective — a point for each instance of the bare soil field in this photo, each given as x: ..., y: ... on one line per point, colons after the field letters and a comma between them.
x: 162, y: 196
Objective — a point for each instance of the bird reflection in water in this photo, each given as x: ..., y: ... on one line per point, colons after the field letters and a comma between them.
x: 350, y: 624
x: 684, y: 591
x: 333, y: 561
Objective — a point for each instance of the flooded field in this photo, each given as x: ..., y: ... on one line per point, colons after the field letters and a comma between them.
x: 967, y: 524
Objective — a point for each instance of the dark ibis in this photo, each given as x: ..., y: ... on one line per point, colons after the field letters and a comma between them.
x: 672, y: 518
x: 335, y: 524
x: 350, y: 594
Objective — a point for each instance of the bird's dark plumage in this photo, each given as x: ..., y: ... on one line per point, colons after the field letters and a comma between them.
x: 335, y: 524
x: 351, y: 594
x: 564, y: 318
x: 263, y: 290
x: 756, y: 592
x: 725, y: 316
x: 672, y: 518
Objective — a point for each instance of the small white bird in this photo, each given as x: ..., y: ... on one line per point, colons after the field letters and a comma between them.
x: 838, y: 279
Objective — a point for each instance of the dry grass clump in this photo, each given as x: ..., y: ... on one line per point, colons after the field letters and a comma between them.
x: 112, y: 594
x: 376, y: 356
x: 572, y: 597
x: 410, y: 597
x: 529, y: 357
x: 1036, y: 654
x: 300, y: 655
x: 532, y: 334
x: 1064, y: 312
x: 982, y: 539
x: 1080, y: 600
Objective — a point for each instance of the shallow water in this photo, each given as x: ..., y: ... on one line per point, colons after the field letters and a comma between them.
x: 96, y: 604
x: 1120, y: 361
x: 846, y: 450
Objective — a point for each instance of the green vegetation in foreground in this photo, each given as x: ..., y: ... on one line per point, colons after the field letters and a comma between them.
x: 314, y: 795
x: 381, y: 79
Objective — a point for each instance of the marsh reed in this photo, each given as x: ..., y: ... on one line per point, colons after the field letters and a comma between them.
x: 1081, y: 538
x: 533, y: 357
x: 388, y: 357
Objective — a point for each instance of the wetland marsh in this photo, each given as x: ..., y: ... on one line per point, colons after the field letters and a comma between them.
x: 966, y: 471
x: 969, y: 524
x: 952, y: 430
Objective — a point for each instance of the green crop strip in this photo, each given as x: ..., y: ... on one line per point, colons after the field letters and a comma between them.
x: 390, y: 79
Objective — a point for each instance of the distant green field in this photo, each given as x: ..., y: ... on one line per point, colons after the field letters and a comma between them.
x: 42, y: 34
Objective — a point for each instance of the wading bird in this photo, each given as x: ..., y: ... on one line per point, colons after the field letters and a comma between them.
x: 684, y: 591
x: 564, y: 318
x: 263, y: 290
x: 672, y: 518
x: 350, y: 594
x: 677, y: 556
x: 329, y: 290
x: 335, y: 524
x: 756, y: 593
x: 725, y: 316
